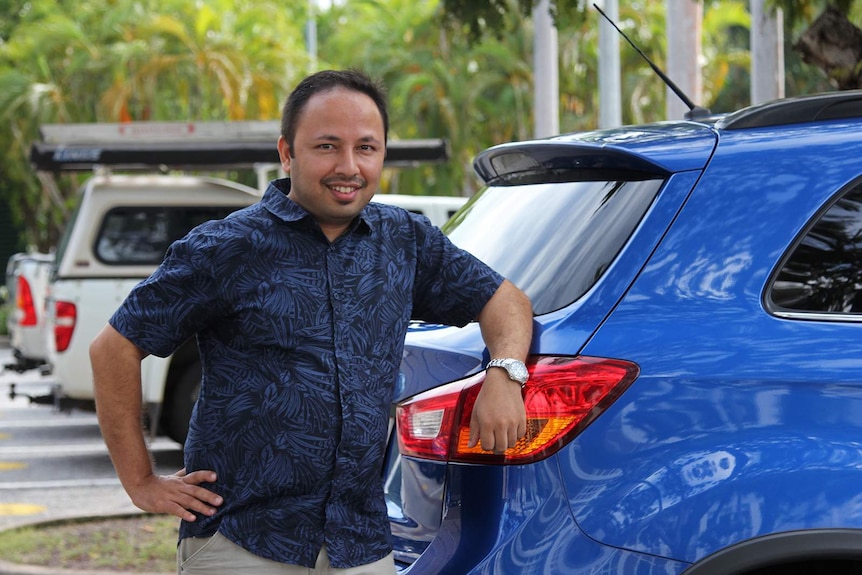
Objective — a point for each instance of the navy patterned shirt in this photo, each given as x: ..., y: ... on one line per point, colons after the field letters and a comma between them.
x: 300, y: 341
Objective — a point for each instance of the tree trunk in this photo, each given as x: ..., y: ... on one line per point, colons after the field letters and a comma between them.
x: 834, y: 44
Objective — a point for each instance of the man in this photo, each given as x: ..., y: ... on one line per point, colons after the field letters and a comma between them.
x: 300, y: 305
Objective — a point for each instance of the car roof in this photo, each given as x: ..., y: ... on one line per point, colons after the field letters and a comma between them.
x: 651, y: 150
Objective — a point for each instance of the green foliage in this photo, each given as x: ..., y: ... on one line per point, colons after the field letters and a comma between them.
x: 121, y: 60
x: 798, y: 15
x: 483, y: 18
x: 726, y: 53
x: 803, y: 12
x: 440, y: 83
x: 469, y: 81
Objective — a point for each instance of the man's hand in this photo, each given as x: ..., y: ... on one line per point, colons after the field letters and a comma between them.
x: 499, y: 419
x: 178, y: 494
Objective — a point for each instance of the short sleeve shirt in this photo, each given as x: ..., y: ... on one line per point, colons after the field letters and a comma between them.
x: 300, y: 342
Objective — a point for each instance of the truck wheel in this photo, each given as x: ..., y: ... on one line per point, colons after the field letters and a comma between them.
x: 182, y: 400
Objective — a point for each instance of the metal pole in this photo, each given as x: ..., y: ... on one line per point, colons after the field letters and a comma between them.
x: 767, y: 52
x: 311, y: 36
x: 610, y: 104
x: 683, y: 54
x: 546, y: 104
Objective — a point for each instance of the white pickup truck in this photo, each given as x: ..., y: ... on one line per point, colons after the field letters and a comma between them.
x: 116, y: 237
x: 27, y: 276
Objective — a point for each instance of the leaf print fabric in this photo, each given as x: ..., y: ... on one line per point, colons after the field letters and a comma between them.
x: 300, y: 343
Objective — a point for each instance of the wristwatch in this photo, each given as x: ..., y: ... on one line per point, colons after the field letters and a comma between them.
x: 514, y: 367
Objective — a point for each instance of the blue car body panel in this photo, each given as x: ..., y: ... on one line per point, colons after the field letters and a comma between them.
x: 675, y: 146
x: 744, y: 426
x: 771, y: 440
x: 516, y: 521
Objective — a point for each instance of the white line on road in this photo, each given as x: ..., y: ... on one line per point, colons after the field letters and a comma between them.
x: 39, y: 451
x: 53, y: 422
x: 60, y: 483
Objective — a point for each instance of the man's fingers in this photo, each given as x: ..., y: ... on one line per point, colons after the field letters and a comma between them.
x: 198, y: 477
x: 201, y: 501
x: 178, y: 510
x: 180, y: 494
x: 474, y: 431
x: 503, y: 439
x: 205, y: 495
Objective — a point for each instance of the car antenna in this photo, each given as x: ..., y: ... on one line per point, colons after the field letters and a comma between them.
x: 694, y: 111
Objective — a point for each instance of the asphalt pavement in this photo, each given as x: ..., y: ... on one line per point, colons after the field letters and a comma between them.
x: 23, y: 505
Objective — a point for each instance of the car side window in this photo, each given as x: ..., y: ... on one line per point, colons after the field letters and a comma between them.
x: 824, y: 272
x: 141, y: 235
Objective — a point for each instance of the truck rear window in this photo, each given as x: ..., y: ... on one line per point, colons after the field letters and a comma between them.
x: 142, y: 235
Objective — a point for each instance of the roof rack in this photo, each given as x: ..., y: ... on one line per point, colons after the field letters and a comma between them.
x: 187, y: 145
x: 798, y: 110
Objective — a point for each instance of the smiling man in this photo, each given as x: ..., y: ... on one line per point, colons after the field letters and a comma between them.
x: 300, y: 305
x: 335, y: 156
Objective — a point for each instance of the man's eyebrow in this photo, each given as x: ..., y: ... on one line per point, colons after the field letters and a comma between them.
x: 334, y: 138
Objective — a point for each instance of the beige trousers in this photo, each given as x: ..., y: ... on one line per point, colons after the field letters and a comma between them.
x: 218, y: 555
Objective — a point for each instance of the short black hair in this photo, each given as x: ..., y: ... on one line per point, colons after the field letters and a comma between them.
x: 324, y: 81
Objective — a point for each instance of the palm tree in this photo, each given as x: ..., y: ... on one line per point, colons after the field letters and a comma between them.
x: 440, y: 84
x: 221, y: 60
x: 119, y: 60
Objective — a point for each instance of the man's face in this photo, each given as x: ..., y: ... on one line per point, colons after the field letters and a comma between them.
x: 337, y: 161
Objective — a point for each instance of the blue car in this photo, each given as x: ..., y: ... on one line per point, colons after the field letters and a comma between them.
x: 695, y: 399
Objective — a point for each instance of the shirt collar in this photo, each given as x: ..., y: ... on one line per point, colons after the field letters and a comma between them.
x: 275, y: 200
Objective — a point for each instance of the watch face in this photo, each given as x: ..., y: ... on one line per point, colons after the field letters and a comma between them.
x: 518, y: 371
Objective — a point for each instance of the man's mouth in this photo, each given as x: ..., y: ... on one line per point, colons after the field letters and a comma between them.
x: 343, y: 190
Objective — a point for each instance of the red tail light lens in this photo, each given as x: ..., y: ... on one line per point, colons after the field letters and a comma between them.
x: 562, y: 397
x: 64, y: 324
x: 24, y: 303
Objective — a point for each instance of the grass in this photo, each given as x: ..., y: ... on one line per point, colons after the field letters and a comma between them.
x: 4, y: 312
x: 134, y: 544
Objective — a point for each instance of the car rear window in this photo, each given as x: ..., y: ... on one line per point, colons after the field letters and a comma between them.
x: 823, y: 273
x: 554, y: 240
x: 142, y: 235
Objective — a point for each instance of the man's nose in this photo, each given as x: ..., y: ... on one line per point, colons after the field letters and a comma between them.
x: 347, y: 162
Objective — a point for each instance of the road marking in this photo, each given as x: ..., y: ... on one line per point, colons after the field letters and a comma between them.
x: 40, y: 451
x: 11, y: 465
x: 41, y: 423
x: 5, y: 436
x: 20, y: 509
x: 60, y: 484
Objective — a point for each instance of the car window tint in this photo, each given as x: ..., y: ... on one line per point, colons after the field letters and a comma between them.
x: 141, y: 235
x: 554, y: 241
x: 824, y: 271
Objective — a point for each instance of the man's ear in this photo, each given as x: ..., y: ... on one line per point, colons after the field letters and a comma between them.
x: 284, y: 153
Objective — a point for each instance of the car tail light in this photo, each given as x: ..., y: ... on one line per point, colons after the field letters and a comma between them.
x: 24, y: 303
x: 562, y: 397
x: 64, y: 324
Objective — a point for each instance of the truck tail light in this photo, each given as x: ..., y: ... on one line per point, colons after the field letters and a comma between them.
x: 64, y: 324
x: 24, y: 303
x: 562, y: 397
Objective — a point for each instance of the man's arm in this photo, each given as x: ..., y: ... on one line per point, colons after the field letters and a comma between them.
x: 116, y: 363
x: 506, y: 321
